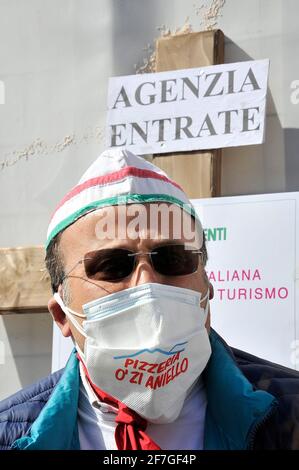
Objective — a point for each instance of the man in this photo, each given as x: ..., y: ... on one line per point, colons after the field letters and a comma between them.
x: 126, y: 256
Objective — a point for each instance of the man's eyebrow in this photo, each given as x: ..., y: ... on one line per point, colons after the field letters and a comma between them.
x: 155, y: 243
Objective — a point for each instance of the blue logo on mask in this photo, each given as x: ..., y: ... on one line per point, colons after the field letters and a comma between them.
x: 177, y: 348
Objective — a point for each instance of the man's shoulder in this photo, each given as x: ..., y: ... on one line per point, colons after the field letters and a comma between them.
x: 38, y: 391
x: 265, y: 374
x: 281, y: 431
x: 21, y: 409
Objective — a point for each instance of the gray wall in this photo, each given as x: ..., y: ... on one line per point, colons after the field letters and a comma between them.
x: 55, y: 60
x: 25, y: 352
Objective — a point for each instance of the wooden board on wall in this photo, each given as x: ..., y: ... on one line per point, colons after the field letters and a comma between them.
x: 24, y: 282
x: 198, y: 172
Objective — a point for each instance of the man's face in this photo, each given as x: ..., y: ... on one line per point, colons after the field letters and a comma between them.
x: 118, y: 227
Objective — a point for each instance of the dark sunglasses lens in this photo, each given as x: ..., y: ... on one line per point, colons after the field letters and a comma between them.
x: 175, y: 260
x: 108, y: 265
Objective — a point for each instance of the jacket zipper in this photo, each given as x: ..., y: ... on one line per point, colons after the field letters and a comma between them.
x: 259, y: 424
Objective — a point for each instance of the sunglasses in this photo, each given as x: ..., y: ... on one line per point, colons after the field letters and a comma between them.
x: 115, y: 264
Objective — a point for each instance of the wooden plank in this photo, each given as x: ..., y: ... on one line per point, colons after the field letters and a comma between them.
x: 199, y: 172
x: 24, y: 282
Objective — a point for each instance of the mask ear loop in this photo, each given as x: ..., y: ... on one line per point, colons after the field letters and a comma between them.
x: 206, y: 297
x: 70, y: 314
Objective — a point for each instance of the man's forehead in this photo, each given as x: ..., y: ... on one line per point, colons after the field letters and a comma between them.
x: 131, y: 222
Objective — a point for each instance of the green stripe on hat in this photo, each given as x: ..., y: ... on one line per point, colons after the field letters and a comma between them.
x: 116, y: 201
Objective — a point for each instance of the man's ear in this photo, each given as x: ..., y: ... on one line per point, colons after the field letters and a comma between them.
x: 59, y: 317
x: 211, y: 294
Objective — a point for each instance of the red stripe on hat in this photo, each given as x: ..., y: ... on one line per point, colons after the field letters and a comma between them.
x: 111, y: 178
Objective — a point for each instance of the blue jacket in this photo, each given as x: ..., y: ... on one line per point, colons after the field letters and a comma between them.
x: 252, y: 404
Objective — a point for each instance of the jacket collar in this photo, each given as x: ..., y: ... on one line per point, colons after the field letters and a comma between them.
x: 234, y: 408
x: 56, y: 426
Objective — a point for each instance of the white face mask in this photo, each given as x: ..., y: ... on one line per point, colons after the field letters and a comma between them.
x: 146, y: 346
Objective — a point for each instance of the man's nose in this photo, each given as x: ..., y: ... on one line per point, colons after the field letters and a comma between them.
x: 144, y: 272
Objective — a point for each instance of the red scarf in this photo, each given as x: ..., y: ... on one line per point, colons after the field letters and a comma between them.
x: 130, y: 430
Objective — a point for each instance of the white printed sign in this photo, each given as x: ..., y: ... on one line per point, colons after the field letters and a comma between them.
x: 192, y: 109
x: 254, y: 268
x: 252, y: 265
